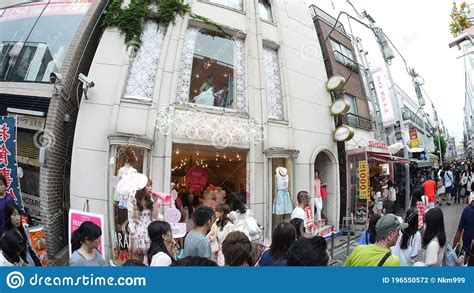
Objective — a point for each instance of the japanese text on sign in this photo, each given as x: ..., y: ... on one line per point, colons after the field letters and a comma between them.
x: 8, y: 165
x: 364, y: 180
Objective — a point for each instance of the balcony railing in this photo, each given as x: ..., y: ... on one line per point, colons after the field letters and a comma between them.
x: 359, y: 122
x: 318, y: 14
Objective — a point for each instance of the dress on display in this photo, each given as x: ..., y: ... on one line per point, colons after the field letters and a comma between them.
x: 282, y: 204
x: 205, y: 98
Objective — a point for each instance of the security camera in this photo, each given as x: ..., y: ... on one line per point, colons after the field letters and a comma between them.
x: 86, y: 81
x: 55, y: 77
x: 460, y: 39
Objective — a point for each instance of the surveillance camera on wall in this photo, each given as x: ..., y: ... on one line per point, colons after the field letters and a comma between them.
x: 86, y: 80
x: 55, y: 77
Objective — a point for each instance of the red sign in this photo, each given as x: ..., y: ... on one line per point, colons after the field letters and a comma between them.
x: 196, y: 178
x: 377, y: 144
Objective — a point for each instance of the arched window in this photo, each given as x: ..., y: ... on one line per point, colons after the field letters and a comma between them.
x: 265, y: 10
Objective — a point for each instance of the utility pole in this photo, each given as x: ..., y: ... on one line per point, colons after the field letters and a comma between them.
x: 388, y: 55
x: 439, y: 134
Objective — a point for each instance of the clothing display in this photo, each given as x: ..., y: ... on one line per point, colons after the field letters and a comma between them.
x: 282, y: 204
x: 205, y: 98
x: 318, y: 201
x: 123, y: 198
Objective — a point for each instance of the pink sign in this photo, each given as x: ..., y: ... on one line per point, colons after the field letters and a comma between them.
x: 196, y: 178
x: 76, y: 218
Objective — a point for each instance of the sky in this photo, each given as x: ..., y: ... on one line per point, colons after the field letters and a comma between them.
x: 420, y: 31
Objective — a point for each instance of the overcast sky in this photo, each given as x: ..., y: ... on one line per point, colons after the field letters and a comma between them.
x: 420, y: 31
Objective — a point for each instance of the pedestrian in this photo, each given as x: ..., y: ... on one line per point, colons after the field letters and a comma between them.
x: 194, y: 261
x: 284, y: 235
x: 466, y: 228
x: 457, y: 184
x: 378, y: 206
x: 219, y: 231
x: 4, y: 198
x: 309, y: 252
x: 441, y: 189
x: 12, y: 216
x: 466, y: 180
x: 85, y: 242
x: 378, y: 254
x: 448, y: 183
x: 429, y: 189
x: 434, y: 238
x: 392, y: 197
x: 141, y: 212
x: 12, y: 250
x: 422, y: 203
x: 369, y: 235
x: 303, y: 202
x: 163, y: 248
x: 409, y: 242
x: 299, y: 227
x: 243, y: 218
x: 237, y: 250
x: 196, y: 243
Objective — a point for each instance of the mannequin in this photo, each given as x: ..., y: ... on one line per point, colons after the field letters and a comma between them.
x: 282, y: 204
x: 318, y: 201
x: 122, y: 199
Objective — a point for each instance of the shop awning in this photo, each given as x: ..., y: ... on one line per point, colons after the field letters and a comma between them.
x: 387, y: 158
x: 416, y: 150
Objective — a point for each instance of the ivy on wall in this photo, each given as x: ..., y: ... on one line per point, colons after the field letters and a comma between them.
x: 131, y: 19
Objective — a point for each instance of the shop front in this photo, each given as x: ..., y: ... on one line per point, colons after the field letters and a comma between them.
x: 368, y: 170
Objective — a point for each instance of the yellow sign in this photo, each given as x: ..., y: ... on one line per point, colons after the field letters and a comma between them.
x: 364, y: 180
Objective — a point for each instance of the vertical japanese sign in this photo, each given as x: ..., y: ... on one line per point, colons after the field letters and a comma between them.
x: 383, y: 95
x: 414, y: 142
x: 8, y: 165
x: 364, y: 180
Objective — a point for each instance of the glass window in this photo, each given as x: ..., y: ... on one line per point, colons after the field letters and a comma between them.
x: 212, y: 76
x: 35, y: 37
x: 265, y: 10
x: 353, y: 102
x: 234, y: 4
x: 342, y: 54
x: 128, y: 160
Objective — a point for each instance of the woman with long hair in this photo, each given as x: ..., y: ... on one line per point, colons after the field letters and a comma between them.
x: 162, y: 252
x: 12, y: 250
x: 369, y: 235
x: 409, y: 242
x: 434, y: 239
x: 12, y: 216
x: 283, y: 237
x: 219, y: 231
x: 85, y: 242
x: 141, y: 213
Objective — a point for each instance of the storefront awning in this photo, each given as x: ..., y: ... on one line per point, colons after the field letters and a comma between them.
x: 387, y: 158
x: 416, y: 150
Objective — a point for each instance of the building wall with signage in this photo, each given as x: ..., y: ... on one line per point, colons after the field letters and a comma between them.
x: 293, y: 119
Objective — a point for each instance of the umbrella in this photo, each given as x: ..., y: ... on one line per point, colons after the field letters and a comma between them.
x: 132, y: 183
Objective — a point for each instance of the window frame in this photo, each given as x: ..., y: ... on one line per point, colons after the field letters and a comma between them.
x: 272, y: 21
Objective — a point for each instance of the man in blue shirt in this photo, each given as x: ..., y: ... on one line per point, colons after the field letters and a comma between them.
x: 466, y: 225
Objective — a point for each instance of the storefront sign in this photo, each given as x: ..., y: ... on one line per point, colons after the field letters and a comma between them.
x: 377, y: 144
x: 309, y: 222
x: 383, y: 94
x: 29, y: 122
x: 33, y: 203
x: 340, y: 106
x: 414, y: 142
x: 196, y: 178
x: 364, y: 180
x: 343, y: 133
x: 8, y: 165
x: 76, y: 218
x: 38, y: 242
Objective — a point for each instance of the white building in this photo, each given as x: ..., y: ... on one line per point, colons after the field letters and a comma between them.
x: 469, y: 88
x: 267, y: 80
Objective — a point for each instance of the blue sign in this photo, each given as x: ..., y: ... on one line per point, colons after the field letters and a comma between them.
x: 8, y: 165
x: 237, y: 279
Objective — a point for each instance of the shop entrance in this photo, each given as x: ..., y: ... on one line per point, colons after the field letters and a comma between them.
x: 226, y: 169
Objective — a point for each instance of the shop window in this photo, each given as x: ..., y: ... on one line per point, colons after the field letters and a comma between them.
x: 265, y: 10
x: 274, y: 95
x: 142, y: 72
x: 234, y: 4
x: 279, y: 198
x: 128, y: 160
x: 212, y: 72
x: 35, y: 37
x: 343, y: 54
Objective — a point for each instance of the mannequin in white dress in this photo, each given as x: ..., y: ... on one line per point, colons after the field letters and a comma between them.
x: 318, y: 201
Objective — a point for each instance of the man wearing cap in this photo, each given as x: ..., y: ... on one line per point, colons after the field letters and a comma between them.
x: 378, y: 254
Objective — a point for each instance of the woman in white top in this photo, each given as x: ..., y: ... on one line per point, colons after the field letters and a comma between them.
x: 243, y: 218
x: 219, y: 231
x: 162, y: 252
x: 409, y: 242
x: 434, y: 239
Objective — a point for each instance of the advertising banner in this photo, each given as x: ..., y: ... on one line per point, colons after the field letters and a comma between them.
x: 196, y: 178
x: 364, y: 180
x: 76, y: 218
x: 38, y: 242
x: 384, y: 98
